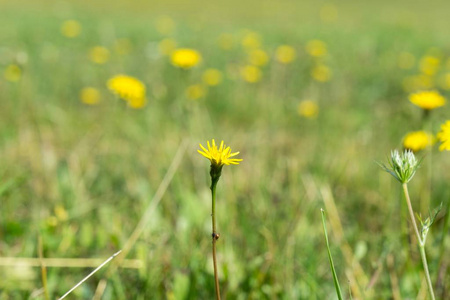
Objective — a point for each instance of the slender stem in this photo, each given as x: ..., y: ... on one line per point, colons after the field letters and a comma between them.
x: 90, y: 274
x: 427, y: 273
x: 411, y: 212
x: 214, y: 236
x: 330, y: 258
x: 43, y: 268
x: 421, y: 243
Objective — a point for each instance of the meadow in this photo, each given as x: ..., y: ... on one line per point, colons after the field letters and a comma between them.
x: 100, y: 124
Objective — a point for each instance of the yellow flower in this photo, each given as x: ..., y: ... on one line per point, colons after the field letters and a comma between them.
x: 251, y: 40
x: 429, y: 65
x: 258, y: 57
x: 406, y: 60
x: 195, y: 92
x: 122, y: 46
x: 185, y: 58
x: 99, y: 55
x: 166, y: 46
x: 446, y: 81
x: 321, y: 73
x: 226, y: 41
x: 308, y: 109
x: 165, y: 25
x: 417, y: 140
x: 427, y: 100
x: 316, y: 48
x: 219, y: 156
x: 61, y: 213
x: 444, y: 136
x: 90, y: 96
x: 251, y: 74
x: 212, y: 77
x: 328, y: 13
x: 285, y: 54
x: 129, y: 89
x: 71, y: 28
x: 13, y: 73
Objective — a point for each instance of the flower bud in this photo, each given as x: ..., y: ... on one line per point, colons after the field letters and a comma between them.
x: 402, y: 166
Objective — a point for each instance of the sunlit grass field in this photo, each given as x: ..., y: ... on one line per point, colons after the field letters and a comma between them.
x: 80, y: 167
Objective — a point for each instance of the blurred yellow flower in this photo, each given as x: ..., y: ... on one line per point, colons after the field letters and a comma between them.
x: 417, y: 82
x: 90, y: 96
x: 212, y: 77
x: 99, y: 55
x: 185, y: 58
x: 167, y: 46
x: 137, y: 103
x: 61, y: 213
x: 321, y: 73
x: 129, y: 89
x: 429, y: 65
x: 165, y: 25
x: 52, y: 221
x: 219, y: 156
x: 406, y: 61
x: 195, y: 92
x: 328, y: 13
x: 285, y: 54
x: 226, y: 41
x: 251, y: 74
x: 251, y: 40
x: 445, y: 82
x: 427, y: 100
x: 308, y: 109
x: 122, y: 46
x: 12, y: 73
x: 444, y: 136
x: 71, y: 28
x: 258, y: 57
x: 417, y: 140
x: 316, y: 48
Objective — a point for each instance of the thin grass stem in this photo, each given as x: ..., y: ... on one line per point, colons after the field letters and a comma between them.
x: 43, y: 268
x: 333, y: 271
x: 64, y: 262
x: 90, y: 274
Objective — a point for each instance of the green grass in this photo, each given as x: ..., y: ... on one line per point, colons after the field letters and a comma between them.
x: 330, y: 258
x: 103, y: 164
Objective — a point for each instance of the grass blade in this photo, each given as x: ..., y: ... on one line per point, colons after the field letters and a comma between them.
x: 43, y: 268
x: 90, y: 274
x: 335, y: 279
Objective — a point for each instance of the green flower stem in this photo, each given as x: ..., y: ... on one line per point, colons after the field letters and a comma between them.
x: 427, y: 273
x: 419, y: 239
x: 215, y: 175
x: 411, y: 212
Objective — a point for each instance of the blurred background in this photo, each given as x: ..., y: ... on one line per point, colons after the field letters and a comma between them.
x: 102, y: 104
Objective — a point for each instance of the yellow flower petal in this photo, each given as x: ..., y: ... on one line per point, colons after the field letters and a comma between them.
x: 427, y: 100
x: 219, y: 156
